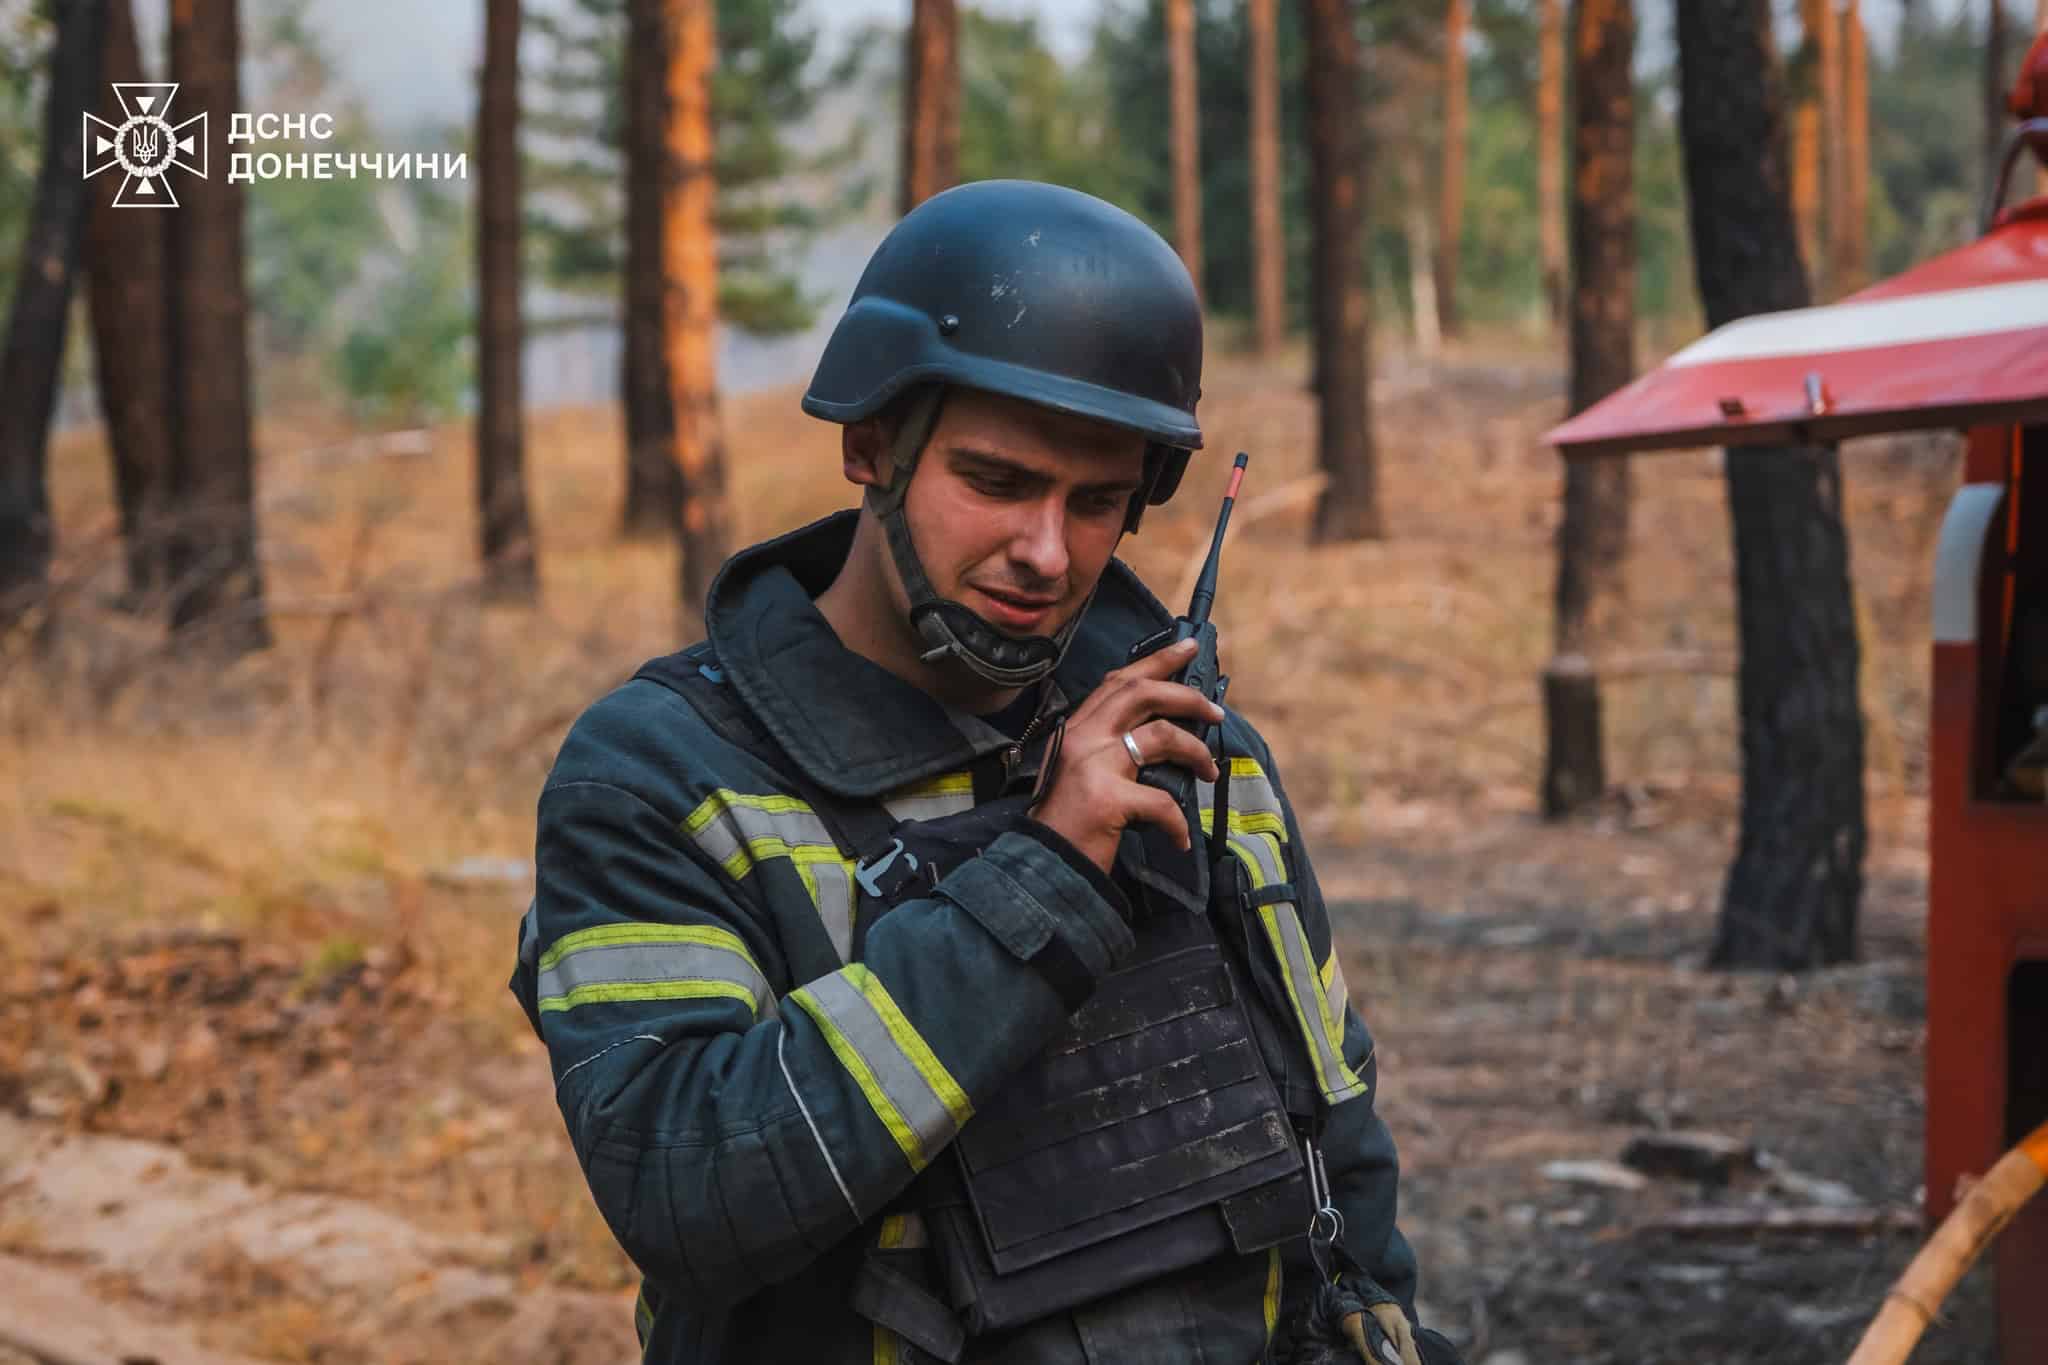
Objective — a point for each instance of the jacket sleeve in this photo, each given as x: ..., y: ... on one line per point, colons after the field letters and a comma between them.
x: 731, y: 1128
x: 1358, y: 1149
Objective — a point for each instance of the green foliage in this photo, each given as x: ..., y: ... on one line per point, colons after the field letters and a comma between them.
x: 25, y: 38
x: 1926, y: 135
x: 1130, y: 55
x: 411, y: 356
x: 1025, y: 115
x: 765, y: 86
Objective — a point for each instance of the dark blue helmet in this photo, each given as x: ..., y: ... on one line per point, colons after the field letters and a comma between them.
x: 1030, y: 290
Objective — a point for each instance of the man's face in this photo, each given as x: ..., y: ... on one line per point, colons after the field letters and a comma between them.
x: 1016, y: 510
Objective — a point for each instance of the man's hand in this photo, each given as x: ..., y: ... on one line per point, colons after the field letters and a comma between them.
x: 1095, y: 793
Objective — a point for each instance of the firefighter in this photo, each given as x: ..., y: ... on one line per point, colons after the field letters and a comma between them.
x: 891, y: 1018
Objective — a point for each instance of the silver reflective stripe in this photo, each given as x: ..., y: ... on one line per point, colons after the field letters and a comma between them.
x: 736, y: 830
x: 949, y: 794
x: 832, y: 892
x: 612, y: 963
x: 1335, y: 989
x: 913, y: 1095
x: 1260, y: 856
x: 1311, y: 1007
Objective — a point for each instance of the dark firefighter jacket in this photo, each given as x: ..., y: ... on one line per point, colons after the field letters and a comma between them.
x: 746, y: 1102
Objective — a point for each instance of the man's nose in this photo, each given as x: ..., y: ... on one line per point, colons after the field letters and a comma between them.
x: 1040, y: 541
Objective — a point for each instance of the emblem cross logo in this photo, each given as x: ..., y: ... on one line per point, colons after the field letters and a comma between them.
x: 146, y: 145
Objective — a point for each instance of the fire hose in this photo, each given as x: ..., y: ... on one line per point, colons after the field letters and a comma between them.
x: 1910, y: 1305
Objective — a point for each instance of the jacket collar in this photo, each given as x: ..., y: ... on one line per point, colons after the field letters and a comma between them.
x: 852, y: 727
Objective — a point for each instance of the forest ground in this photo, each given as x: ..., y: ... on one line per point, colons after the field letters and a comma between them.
x: 263, y: 1093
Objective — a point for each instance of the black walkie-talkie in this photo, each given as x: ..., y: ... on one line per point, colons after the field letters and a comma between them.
x: 1201, y: 672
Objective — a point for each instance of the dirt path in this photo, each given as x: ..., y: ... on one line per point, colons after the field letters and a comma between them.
x: 138, y: 1253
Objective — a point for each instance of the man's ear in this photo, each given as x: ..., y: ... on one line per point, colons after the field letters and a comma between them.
x: 864, y: 453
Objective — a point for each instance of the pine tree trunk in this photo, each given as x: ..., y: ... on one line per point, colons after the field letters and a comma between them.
x: 1550, y: 156
x: 506, y: 537
x: 1826, y: 280
x: 1450, y: 216
x: 1592, y: 538
x: 124, y: 263
x: 1855, y: 235
x: 689, y: 254
x: 1836, y: 150
x: 1806, y: 137
x: 1185, y: 136
x: 1791, y: 897
x: 1269, y: 248
x: 214, y: 575
x: 34, y: 344
x: 931, y: 101
x: 1349, y: 508
x: 654, y: 485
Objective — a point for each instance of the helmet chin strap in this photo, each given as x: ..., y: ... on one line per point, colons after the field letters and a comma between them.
x: 949, y: 628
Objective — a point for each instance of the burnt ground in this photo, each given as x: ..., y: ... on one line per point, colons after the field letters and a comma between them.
x: 1540, y: 995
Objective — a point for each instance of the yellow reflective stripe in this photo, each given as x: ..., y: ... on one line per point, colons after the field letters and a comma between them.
x: 1336, y: 991
x: 642, y: 931
x: 946, y: 794
x: 913, y: 1044
x: 627, y: 992
x: 643, y: 1317
x: 888, y: 1346
x: 1334, y: 1079
x: 739, y: 830
x: 1272, y: 1292
x: 911, y: 1092
x: 1261, y: 857
x: 613, y: 963
x: 901, y: 1232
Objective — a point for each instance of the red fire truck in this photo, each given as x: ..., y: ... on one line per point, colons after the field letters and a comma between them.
x: 1958, y: 342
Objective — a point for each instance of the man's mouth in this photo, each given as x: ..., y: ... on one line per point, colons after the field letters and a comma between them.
x: 1016, y: 611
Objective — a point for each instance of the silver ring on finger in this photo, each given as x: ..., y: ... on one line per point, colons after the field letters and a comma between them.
x: 1131, y: 747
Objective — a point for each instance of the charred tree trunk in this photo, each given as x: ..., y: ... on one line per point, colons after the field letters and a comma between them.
x: 1791, y: 897
x: 1450, y: 216
x: 654, y: 485
x: 506, y: 538
x: 689, y: 315
x: 1269, y: 249
x: 124, y: 263
x: 1186, y: 135
x: 214, y: 576
x: 34, y: 344
x: 1592, y: 539
x: 1853, y: 251
x: 931, y: 101
x: 1349, y: 508
x: 1550, y: 157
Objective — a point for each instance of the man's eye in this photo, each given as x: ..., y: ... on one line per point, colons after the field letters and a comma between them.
x: 1102, y: 504
x: 994, y: 487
